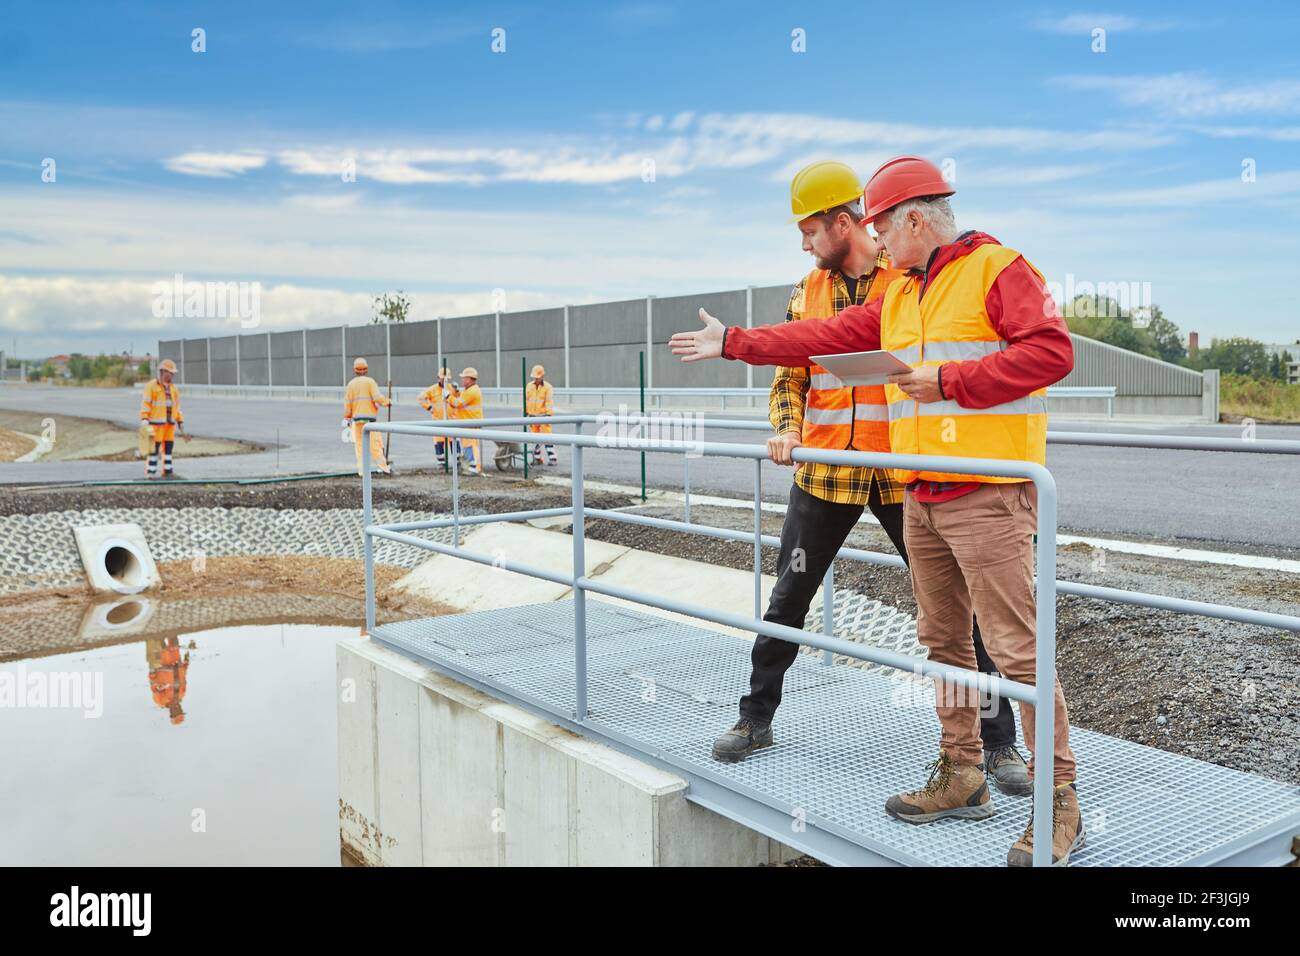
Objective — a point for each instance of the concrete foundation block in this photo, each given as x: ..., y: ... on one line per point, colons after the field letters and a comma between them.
x: 434, y: 772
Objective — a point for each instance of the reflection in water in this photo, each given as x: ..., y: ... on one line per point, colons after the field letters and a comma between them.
x: 124, y: 612
x: 167, y: 674
x: 245, y: 773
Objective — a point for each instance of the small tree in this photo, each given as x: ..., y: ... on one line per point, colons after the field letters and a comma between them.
x: 391, y: 308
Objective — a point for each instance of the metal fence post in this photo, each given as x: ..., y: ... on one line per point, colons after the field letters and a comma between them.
x: 649, y: 343
x: 497, y: 344
x: 749, y: 324
x: 388, y: 351
x: 579, y: 593
x: 758, y: 538
x: 828, y: 609
x: 453, y: 450
x: 686, y: 484
x: 368, y: 546
x: 567, y: 382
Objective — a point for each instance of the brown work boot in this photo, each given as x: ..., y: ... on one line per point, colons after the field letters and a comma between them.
x: 953, y: 790
x: 1067, y: 830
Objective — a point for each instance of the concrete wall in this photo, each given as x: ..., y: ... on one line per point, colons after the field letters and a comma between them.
x: 601, y: 345
x: 435, y: 773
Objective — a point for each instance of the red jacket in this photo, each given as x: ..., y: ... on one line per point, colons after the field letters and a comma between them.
x: 1039, y: 352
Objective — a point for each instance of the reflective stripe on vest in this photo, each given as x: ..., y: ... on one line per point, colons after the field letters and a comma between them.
x: 951, y: 324
x: 837, y: 415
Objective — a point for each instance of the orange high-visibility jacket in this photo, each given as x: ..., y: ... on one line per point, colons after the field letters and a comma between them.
x: 362, y: 400
x: 467, y: 403
x: 161, y: 404
x: 539, y: 399
x: 431, y: 398
x: 951, y: 324
x: 836, y: 415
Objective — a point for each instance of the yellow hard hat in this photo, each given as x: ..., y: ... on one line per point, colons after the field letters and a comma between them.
x: 445, y: 372
x: 538, y: 371
x: 469, y: 371
x: 167, y: 365
x: 360, y: 365
x: 822, y: 185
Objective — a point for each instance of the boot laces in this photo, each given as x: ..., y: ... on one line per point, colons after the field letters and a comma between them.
x: 1057, y: 800
x: 941, y: 774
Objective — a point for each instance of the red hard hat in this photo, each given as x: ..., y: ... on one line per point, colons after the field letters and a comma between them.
x: 901, y: 179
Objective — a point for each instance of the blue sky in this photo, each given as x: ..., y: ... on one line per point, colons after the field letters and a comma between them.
x: 523, y: 171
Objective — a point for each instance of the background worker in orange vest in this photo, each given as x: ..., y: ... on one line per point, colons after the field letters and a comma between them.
x: 433, y: 400
x: 468, y: 403
x: 984, y: 338
x: 810, y: 407
x: 540, y: 400
x: 160, y: 409
x: 361, y: 404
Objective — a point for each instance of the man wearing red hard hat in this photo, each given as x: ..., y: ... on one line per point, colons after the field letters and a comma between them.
x: 984, y: 340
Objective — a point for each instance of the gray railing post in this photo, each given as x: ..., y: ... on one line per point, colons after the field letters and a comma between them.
x: 453, y: 451
x: 758, y: 538
x: 579, y: 593
x: 367, y: 518
x: 828, y: 609
x: 686, y: 484
x: 567, y: 382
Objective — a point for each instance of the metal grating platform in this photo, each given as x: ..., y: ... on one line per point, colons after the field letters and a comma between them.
x: 846, y: 739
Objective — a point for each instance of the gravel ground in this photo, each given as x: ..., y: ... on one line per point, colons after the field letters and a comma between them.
x: 410, y: 490
x: 1218, y: 691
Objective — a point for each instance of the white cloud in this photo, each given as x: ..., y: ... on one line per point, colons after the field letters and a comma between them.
x: 1192, y: 95
x: 1111, y: 22
x: 220, y: 165
x: 1268, y: 186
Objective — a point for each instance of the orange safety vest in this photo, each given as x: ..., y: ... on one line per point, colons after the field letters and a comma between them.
x: 362, y: 400
x: 432, y: 398
x: 468, y: 404
x: 951, y: 324
x: 161, y: 404
x: 538, y: 398
x: 837, y: 415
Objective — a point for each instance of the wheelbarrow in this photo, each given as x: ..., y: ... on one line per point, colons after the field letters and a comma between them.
x: 509, y: 455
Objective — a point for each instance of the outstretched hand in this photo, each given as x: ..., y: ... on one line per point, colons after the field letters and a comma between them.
x: 704, y: 344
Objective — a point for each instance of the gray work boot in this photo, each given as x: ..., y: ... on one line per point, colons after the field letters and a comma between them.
x: 1007, y: 769
x: 742, y: 740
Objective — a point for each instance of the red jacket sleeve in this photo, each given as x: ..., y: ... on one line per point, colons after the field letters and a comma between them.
x: 1039, y: 352
x: 856, y: 329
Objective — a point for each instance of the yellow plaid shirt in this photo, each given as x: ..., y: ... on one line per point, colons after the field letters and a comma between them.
x: 842, y: 484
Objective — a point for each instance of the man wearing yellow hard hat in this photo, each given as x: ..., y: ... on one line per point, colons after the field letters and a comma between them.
x: 984, y: 340
x: 434, y: 400
x: 540, y: 400
x: 810, y: 408
x: 361, y: 404
x: 160, y: 409
x: 467, y: 401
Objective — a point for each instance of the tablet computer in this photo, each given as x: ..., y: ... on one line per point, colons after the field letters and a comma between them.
x: 862, y: 368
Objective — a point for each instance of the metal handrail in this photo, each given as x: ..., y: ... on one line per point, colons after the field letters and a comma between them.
x: 1041, y: 694
x: 1046, y: 588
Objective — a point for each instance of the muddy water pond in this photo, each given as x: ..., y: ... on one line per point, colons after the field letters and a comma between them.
x: 207, y: 747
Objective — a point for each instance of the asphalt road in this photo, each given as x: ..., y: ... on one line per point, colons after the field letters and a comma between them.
x: 1239, y: 501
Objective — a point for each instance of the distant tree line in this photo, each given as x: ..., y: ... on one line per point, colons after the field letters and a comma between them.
x: 1148, y: 332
